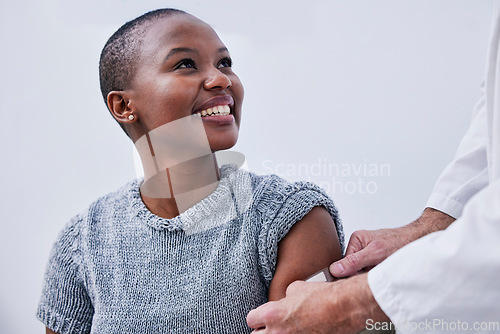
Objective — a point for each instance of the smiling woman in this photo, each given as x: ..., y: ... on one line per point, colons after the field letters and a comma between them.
x: 326, y: 83
x: 185, y: 69
x: 193, y: 247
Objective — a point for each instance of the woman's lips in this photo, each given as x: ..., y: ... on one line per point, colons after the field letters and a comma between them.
x: 218, y: 119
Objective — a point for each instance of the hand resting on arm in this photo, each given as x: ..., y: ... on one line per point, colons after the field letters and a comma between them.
x: 366, y: 249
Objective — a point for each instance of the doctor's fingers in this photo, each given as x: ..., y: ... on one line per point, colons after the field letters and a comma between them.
x: 352, y: 263
x: 270, y: 318
x: 361, y: 239
x: 262, y: 316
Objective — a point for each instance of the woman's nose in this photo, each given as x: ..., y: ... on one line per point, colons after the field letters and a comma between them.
x: 217, y: 80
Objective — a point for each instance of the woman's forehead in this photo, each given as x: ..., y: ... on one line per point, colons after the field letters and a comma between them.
x: 179, y: 29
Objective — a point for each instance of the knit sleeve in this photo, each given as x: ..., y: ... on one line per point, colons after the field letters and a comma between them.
x: 283, y: 204
x: 65, y: 306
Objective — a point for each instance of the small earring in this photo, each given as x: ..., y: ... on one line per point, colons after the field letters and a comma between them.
x: 131, y: 117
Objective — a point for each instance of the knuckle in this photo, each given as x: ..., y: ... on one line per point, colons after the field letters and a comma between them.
x: 360, y: 234
x: 357, y: 235
x: 294, y: 287
x: 352, y: 260
x: 359, y: 240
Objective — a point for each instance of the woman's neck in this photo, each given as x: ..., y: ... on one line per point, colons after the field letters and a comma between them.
x: 169, y: 192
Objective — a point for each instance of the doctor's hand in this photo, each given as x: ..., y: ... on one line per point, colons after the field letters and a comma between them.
x: 335, y: 307
x: 366, y: 249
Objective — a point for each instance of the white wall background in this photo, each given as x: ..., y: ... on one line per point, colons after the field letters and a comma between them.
x: 364, y: 83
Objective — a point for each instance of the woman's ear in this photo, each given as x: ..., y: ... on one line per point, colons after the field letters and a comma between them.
x: 119, y: 107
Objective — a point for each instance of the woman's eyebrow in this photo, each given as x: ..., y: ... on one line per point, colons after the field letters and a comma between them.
x: 189, y: 50
x: 179, y: 50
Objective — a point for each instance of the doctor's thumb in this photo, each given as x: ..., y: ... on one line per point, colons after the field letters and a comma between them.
x: 351, y: 264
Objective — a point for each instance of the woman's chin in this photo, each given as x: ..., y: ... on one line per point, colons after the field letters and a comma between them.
x: 220, y: 144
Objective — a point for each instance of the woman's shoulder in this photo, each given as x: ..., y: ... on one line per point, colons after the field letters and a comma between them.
x: 277, y: 187
x: 268, y: 187
x: 113, y: 205
x: 280, y: 204
x: 123, y: 196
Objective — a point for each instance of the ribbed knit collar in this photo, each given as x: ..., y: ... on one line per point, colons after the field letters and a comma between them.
x: 198, y: 215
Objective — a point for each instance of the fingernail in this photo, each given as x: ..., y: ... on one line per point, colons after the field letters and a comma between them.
x: 337, y: 268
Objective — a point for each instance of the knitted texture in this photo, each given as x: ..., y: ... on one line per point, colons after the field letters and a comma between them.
x: 118, y: 268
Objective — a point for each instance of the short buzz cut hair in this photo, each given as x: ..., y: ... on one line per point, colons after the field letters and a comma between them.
x: 119, y: 57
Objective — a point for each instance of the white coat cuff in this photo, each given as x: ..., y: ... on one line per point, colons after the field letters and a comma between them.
x: 445, y: 204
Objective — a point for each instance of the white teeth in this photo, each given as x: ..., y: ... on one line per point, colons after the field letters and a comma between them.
x: 216, y: 111
x: 198, y: 114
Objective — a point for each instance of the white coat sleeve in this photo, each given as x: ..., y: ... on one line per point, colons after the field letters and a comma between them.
x: 447, y: 281
x: 468, y: 172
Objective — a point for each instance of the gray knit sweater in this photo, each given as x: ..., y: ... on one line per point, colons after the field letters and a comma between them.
x: 118, y: 268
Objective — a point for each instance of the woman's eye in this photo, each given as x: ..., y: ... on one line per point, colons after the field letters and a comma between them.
x: 225, y: 62
x: 186, y: 63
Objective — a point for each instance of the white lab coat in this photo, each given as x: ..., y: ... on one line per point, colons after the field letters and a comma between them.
x: 449, y: 281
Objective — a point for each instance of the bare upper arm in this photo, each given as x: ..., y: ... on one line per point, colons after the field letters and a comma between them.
x: 49, y: 331
x: 311, y: 245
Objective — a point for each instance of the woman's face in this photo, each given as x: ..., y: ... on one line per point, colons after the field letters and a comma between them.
x: 185, y: 70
